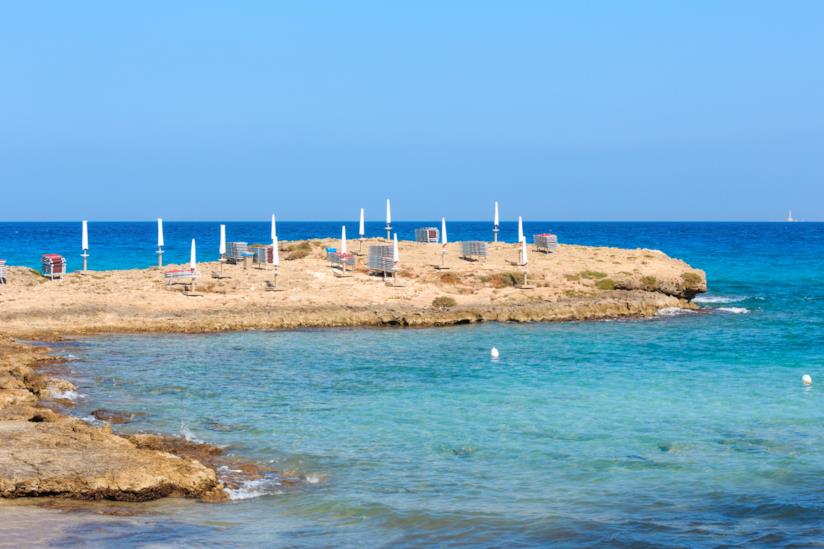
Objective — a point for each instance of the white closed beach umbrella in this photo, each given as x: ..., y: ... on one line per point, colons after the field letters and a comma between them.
x: 84, y: 244
x: 193, y: 256
x: 520, y: 228
x: 524, y: 257
x: 274, y: 230
x: 222, y: 249
x: 396, y: 256
x: 343, y: 239
x: 160, y: 242
x: 275, y: 254
x: 495, y: 223
x: 444, y: 240
x: 362, y: 226
x: 388, y: 213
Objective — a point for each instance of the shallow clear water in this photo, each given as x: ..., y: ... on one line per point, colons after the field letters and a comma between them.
x: 686, y: 430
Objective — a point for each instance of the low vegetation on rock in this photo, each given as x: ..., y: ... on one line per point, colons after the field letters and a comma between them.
x: 443, y: 302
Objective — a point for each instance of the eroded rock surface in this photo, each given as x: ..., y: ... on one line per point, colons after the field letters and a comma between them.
x: 43, y: 453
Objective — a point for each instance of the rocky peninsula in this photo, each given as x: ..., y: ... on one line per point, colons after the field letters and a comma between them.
x: 45, y: 452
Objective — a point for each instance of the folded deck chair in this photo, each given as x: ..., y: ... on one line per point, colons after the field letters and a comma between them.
x: 2, y: 271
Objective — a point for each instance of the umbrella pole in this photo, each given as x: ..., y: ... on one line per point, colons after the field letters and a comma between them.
x: 85, y: 260
x: 159, y: 257
x: 495, y: 234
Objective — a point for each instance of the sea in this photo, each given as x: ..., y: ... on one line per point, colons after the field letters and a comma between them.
x: 690, y: 429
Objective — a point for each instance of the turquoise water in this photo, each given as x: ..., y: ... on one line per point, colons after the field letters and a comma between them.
x: 681, y: 430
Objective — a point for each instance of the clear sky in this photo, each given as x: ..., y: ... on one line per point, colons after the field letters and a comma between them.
x: 561, y: 111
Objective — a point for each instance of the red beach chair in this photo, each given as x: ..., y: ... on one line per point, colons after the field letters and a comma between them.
x: 53, y: 265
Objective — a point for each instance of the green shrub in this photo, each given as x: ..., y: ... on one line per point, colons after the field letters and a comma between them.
x: 649, y: 281
x: 299, y: 246
x: 605, y: 284
x: 592, y: 275
x: 450, y: 278
x: 504, y: 280
x: 692, y: 279
x: 443, y: 302
x: 297, y: 254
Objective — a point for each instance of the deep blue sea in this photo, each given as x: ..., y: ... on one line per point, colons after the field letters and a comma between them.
x: 689, y: 430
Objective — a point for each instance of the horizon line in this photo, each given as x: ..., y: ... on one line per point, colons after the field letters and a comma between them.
x: 172, y: 220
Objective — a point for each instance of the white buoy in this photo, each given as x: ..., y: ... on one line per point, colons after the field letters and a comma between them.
x: 806, y: 379
x: 494, y: 353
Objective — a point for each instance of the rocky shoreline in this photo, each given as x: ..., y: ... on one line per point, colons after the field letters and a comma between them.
x: 48, y: 453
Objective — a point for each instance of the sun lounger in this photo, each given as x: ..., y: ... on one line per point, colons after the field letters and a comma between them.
x: 545, y: 242
x: 53, y: 266
x: 180, y: 274
x: 2, y: 271
x: 381, y: 259
x: 337, y: 259
x: 236, y: 252
x: 427, y: 234
x: 473, y: 249
x: 263, y: 254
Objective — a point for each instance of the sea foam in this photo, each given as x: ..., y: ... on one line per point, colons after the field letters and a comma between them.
x: 673, y: 311
x: 734, y: 310
x: 717, y: 299
x: 255, y: 488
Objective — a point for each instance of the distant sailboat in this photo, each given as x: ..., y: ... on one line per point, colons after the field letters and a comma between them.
x: 790, y: 218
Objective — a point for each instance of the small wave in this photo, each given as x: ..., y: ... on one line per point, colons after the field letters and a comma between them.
x: 717, y: 299
x: 91, y: 420
x: 314, y: 478
x: 734, y: 310
x: 188, y: 435
x: 66, y: 395
x: 255, y: 488
x: 674, y: 311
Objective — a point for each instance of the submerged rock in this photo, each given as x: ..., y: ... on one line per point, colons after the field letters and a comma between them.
x: 113, y: 416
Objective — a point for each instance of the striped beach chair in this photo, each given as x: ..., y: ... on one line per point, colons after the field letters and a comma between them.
x: 545, y: 242
x: 176, y: 275
x: 427, y: 234
x: 473, y: 250
x: 2, y: 271
x: 237, y: 252
x: 53, y: 266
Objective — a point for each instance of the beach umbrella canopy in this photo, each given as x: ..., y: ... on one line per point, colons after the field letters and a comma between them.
x: 274, y: 231
x: 84, y: 245
x: 496, y: 222
x: 362, y: 226
x: 275, y: 255
x: 193, y: 256
x: 444, y: 241
x: 388, y: 213
x: 395, y: 255
x: 524, y: 257
x: 520, y: 228
x: 222, y: 249
x: 343, y: 239
x: 160, y: 242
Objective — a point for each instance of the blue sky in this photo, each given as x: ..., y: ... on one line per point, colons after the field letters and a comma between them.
x: 560, y: 111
